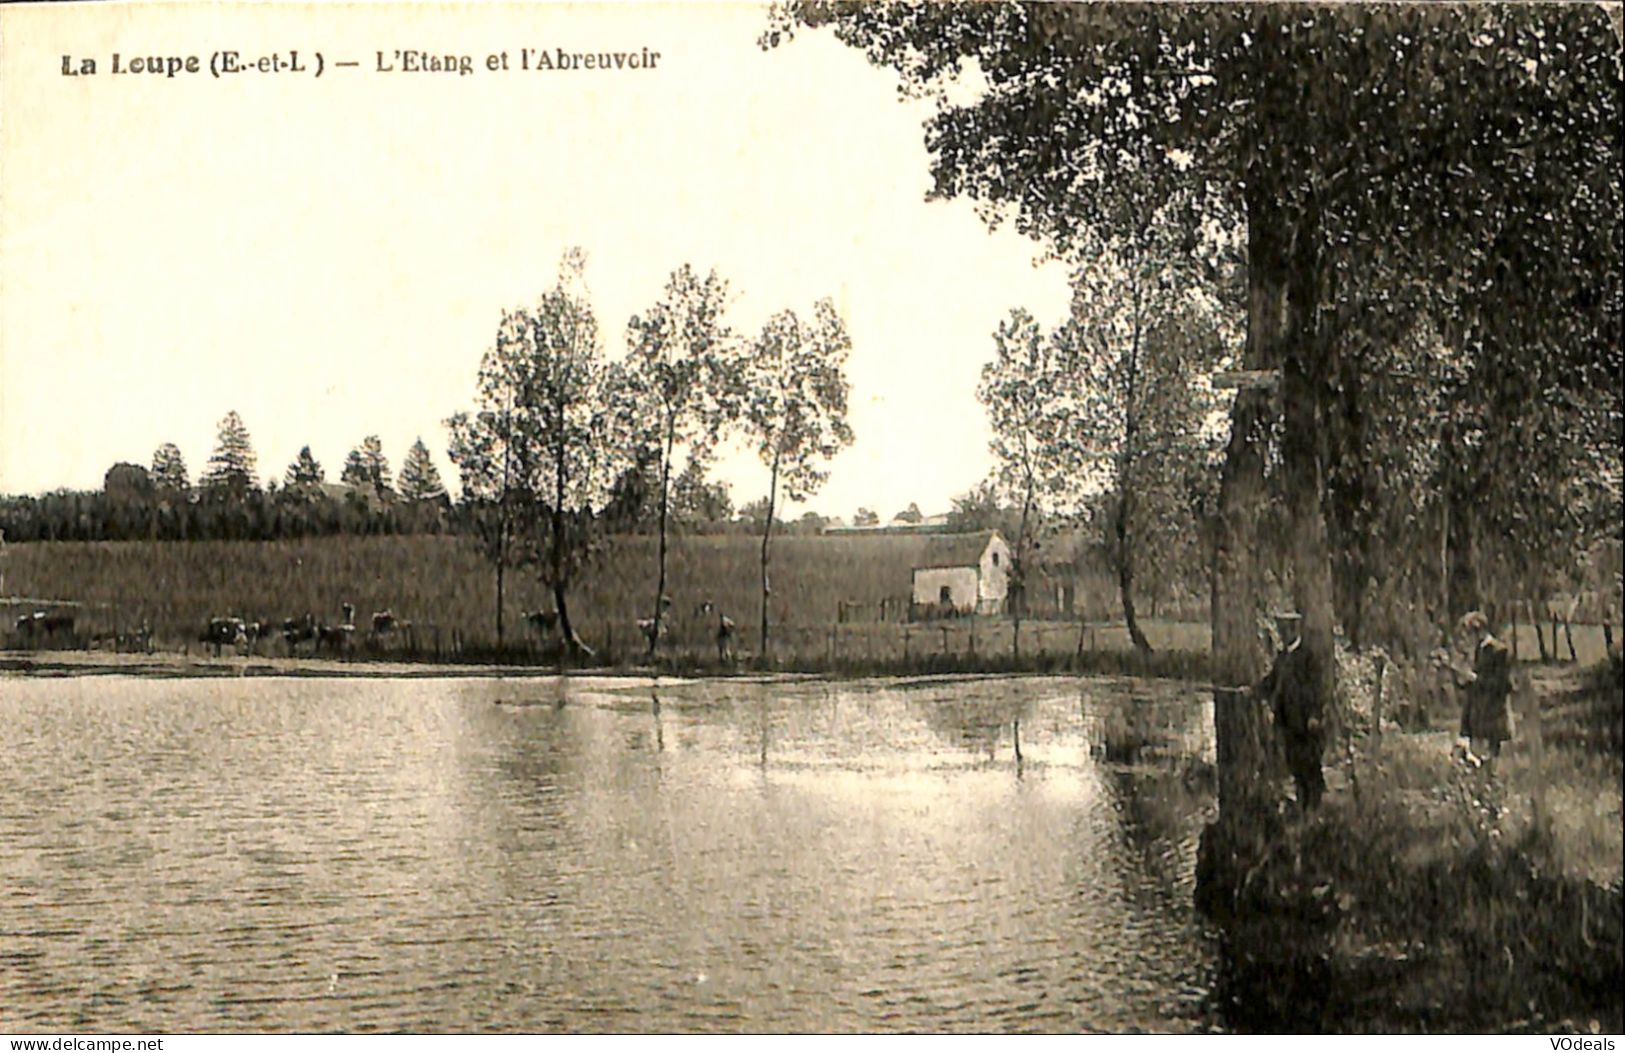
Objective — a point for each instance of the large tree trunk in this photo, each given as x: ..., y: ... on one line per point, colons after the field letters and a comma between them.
x: 1238, y: 656
x: 1302, y: 474
x: 1281, y: 295
x: 1465, y: 590
x: 1232, y: 844
x: 1280, y: 335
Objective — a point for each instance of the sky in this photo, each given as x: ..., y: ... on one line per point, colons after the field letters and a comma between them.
x: 329, y: 256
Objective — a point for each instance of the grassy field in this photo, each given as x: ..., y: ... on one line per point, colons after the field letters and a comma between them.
x: 443, y: 586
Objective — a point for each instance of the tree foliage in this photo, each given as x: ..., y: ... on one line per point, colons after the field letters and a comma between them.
x: 1141, y: 340
x: 791, y: 394
x: 1026, y: 390
x: 1393, y: 167
x: 675, y: 367
x: 304, y: 474
x: 420, y: 479
x: 230, y: 472
x: 367, y: 469
x: 169, y: 469
x: 548, y: 436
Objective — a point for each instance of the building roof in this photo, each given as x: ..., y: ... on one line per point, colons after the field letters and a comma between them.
x: 956, y: 550
x: 930, y: 525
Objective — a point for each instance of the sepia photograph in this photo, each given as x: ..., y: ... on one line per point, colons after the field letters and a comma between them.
x: 811, y: 517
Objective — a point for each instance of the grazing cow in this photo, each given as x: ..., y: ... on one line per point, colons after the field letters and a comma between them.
x: 385, y: 624
x: 138, y: 639
x: 725, y: 631
x: 297, y: 630
x: 646, y: 626
x: 338, y: 637
x: 44, y: 627
x: 224, y: 632
x: 252, y: 633
x: 646, y: 629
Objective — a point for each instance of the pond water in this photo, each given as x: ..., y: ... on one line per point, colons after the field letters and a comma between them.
x: 549, y: 855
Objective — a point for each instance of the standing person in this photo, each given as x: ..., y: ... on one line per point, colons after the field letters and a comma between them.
x: 1486, y: 718
x: 1291, y: 691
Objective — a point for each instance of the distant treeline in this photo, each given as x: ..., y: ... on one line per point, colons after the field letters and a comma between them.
x: 199, y: 515
x: 132, y: 508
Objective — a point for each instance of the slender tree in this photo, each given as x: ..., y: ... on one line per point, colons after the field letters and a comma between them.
x: 794, y: 391
x: 169, y: 469
x: 420, y: 479
x: 366, y: 468
x: 549, y: 437
x: 675, y: 364
x: 1026, y: 389
x: 495, y: 499
x: 231, y: 466
x: 304, y: 472
x: 1139, y: 346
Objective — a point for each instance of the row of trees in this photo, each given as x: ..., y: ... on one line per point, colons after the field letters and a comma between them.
x: 564, y: 446
x: 227, y: 502
x: 231, y: 472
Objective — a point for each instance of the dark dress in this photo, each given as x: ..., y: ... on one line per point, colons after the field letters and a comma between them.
x: 1290, y: 688
x: 1484, y: 712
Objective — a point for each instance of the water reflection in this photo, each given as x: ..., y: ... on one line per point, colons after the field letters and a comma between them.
x: 569, y: 855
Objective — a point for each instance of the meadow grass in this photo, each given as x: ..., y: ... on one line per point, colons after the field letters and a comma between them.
x: 447, y: 590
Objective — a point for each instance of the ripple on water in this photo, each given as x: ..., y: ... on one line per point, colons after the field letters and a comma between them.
x: 272, y: 855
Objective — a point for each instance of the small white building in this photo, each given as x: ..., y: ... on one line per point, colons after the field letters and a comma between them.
x: 968, y: 572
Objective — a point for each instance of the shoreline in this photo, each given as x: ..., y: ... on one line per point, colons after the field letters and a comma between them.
x: 169, y: 665
x: 1177, y: 666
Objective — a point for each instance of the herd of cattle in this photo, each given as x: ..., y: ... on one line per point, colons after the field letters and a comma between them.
x: 44, y: 628
x: 56, y: 629
x: 245, y: 636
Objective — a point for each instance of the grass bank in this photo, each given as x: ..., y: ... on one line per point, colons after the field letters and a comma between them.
x: 1429, y: 894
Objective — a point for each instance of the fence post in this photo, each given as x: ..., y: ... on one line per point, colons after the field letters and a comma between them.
x: 973, y: 634
x: 905, y: 644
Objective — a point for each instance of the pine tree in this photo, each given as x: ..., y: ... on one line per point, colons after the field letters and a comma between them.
x: 420, y: 480
x: 304, y: 472
x: 231, y: 466
x: 169, y: 468
x: 355, y: 470
x: 366, y: 467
